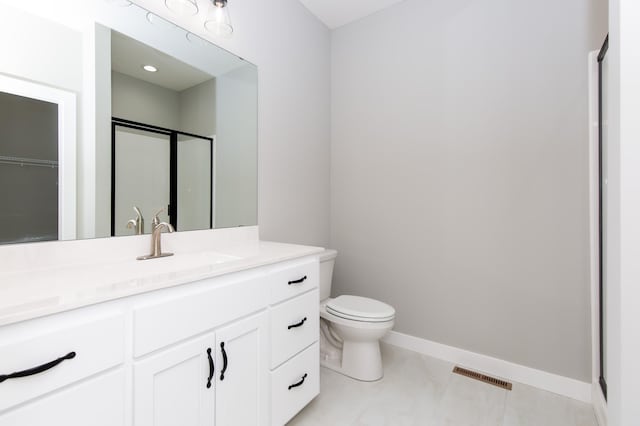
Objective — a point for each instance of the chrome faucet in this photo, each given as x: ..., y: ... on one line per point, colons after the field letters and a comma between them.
x: 138, y: 222
x: 156, y: 233
x: 156, y: 248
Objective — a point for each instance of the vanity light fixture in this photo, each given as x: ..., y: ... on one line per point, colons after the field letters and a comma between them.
x: 218, y: 20
x: 149, y: 68
x: 182, y: 7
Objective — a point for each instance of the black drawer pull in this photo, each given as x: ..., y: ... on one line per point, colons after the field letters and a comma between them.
x: 295, y: 385
x: 298, y: 281
x: 211, y: 368
x: 224, y: 361
x: 298, y: 324
x: 37, y: 370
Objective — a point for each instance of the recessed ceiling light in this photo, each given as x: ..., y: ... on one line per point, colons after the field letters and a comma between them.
x: 149, y: 68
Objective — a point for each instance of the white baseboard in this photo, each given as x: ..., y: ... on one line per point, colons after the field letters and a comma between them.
x: 599, y: 404
x: 561, y: 385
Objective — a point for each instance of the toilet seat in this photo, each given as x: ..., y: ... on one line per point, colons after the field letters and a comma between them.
x: 358, y: 308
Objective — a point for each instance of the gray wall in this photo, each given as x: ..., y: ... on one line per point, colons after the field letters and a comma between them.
x: 459, y: 173
x: 138, y: 100
x: 198, y: 109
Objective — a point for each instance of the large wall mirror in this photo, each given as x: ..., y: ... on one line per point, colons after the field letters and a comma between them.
x: 104, y: 127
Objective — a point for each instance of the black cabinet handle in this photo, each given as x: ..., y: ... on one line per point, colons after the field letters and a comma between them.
x: 37, y: 370
x: 295, y: 385
x: 224, y: 361
x: 298, y: 324
x: 298, y: 281
x: 211, y: 368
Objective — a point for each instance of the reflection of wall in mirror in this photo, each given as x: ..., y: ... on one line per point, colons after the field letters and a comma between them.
x: 40, y: 50
x: 236, y: 148
x: 197, y: 116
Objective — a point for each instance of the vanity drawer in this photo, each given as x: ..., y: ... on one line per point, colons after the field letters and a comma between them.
x: 296, y: 278
x: 294, y: 326
x: 78, y: 346
x: 289, y: 392
x: 185, y: 312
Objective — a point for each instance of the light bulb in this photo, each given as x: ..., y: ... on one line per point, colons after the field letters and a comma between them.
x: 218, y: 20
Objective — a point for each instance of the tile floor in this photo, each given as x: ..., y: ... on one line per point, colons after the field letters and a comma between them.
x: 421, y: 391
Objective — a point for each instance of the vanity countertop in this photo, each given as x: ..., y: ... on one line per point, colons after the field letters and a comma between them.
x: 38, y: 292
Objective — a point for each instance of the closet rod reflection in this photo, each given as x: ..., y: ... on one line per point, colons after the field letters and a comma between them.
x: 20, y: 161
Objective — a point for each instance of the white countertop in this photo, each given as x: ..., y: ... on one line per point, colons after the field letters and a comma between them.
x: 39, y: 291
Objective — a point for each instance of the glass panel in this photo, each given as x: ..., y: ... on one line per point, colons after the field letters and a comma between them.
x: 142, y: 177
x: 28, y: 169
x: 195, y: 195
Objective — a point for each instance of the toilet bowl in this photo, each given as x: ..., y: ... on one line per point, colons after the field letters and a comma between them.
x: 351, y: 328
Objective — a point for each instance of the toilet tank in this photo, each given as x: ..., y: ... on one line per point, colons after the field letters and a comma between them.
x: 327, y: 260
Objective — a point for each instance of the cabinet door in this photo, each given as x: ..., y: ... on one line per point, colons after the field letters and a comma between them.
x: 241, y: 380
x: 96, y: 402
x: 172, y: 387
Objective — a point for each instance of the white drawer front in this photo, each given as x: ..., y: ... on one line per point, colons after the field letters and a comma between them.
x: 98, y: 344
x: 209, y: 304
x: 96, y: 402
x: 287, y: 399
x: 294, y: 326
x: 296, y: 278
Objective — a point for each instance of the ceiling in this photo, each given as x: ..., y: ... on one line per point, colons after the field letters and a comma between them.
x: 128, y: 57
x: 335, y: 13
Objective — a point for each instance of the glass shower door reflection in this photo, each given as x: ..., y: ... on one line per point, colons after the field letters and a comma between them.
x: 194, y: 183
x: 141, y: 177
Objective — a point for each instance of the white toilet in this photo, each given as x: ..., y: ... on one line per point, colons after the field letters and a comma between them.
x: 351, y: 328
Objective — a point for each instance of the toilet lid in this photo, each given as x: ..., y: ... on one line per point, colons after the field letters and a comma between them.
x: 360, y: 309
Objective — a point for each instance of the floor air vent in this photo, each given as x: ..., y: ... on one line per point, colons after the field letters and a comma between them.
x: 483, y: 378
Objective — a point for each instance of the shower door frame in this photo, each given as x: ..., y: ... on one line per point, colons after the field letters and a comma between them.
x: 601, y: 379
x: 172, y: 211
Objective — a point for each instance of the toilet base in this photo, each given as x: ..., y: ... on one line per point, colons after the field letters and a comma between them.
x: 358, y: 360
x: 352, y: 365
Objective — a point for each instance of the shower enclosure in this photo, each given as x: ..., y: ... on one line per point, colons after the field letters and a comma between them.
x: 160, y: 171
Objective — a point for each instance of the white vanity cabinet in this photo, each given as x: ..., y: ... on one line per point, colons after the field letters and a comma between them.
x: 170, y: 388
x: 242, y: 373
x: 295, y: 332
x: 219, y: 375
x: 96, y: 402
x: 239, y: 349
x: 68, y: 367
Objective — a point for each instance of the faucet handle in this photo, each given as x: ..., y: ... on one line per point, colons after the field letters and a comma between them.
x: 132, y: 224
x: 138, y: 212
x: 156, y: 219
